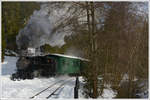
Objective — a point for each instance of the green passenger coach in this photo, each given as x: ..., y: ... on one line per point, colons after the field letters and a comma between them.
x: 65, y: 64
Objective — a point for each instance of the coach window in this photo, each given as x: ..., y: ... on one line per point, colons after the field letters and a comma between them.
x: 63, y: 61
x: 79, y: 63
x: 74, y: 63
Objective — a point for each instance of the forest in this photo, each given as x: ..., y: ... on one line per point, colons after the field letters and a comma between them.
x: 112, y: 35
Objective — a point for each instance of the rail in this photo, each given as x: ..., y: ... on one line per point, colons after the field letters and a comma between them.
x: 52, y: 85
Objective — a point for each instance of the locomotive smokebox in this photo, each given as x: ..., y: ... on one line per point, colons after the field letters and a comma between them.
x: 22, y: 63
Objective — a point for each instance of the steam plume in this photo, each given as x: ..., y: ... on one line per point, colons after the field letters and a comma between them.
x: 41, y: 28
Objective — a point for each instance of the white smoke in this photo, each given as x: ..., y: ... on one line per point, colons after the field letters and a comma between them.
x: 74, y: 52
x: 43, y: 27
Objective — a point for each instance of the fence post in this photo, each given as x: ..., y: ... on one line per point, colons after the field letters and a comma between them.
x: 76, y: 88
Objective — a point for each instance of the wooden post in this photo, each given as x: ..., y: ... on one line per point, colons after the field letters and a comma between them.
x: 76, y: 88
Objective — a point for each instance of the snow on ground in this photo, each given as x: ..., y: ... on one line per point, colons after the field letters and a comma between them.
x: 108, y: 93
x: 24, y: 89
x: 10, y: 52
x: 8, y: 66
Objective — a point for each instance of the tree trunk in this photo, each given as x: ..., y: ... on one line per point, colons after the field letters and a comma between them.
x: 93, y: 51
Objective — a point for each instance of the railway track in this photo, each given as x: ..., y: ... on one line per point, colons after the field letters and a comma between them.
x: 59, y: 87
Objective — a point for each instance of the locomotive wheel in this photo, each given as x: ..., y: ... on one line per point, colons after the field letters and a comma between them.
x: 18, y: 79
x: 12, y: 78
x: 29, y: 75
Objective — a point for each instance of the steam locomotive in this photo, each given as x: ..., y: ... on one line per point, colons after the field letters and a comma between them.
x: 29, y: 67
